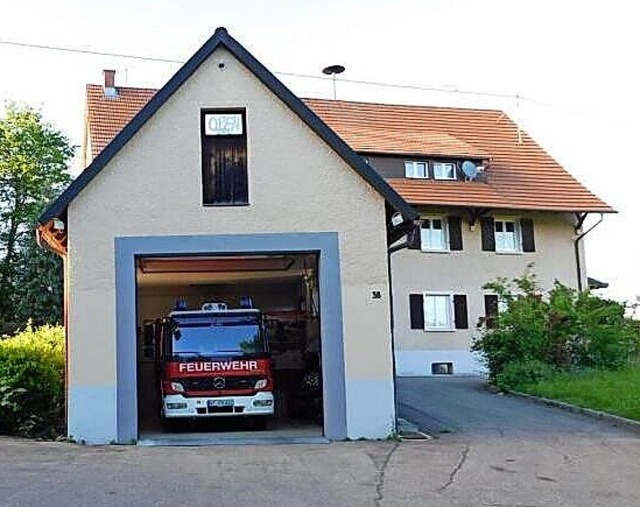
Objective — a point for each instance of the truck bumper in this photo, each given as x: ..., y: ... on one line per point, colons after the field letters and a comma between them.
x: 177, y: 405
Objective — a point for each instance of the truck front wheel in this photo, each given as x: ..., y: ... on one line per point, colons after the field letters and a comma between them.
x: 170, y: 425
x: 259, y: 422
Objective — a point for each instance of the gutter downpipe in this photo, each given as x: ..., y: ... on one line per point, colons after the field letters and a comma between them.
x: 44, y: 244
x: 391, y: 250
x: 577, y: 240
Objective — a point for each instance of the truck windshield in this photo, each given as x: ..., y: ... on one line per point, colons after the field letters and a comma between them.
x: 216, y: 336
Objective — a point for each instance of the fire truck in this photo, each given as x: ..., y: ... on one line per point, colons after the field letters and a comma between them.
x: 215, y: 362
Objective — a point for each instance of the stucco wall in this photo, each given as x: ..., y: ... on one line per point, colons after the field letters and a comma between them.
x: 152, y: 187
x: 465, y: 272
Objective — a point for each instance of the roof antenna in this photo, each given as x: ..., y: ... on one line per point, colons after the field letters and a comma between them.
x: 518, y: 118
x: 332, y: 70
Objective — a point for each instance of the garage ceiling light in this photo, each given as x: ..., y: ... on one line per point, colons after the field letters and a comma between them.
x: 215, y: 264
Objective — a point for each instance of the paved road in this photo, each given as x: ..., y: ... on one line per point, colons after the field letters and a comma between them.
x: 502, y: 452
x: 464, y: 406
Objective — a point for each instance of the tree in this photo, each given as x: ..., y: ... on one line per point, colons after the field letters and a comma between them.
x: 33, y: 171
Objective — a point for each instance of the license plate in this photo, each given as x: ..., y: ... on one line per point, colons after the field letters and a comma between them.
x: 220, y: 403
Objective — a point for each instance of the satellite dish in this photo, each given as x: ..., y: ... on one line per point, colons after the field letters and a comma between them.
x: 469, y: 169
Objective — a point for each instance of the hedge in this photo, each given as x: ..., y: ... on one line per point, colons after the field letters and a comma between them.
x: 32, y: 382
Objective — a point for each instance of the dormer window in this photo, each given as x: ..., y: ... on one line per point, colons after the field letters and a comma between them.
x: 432, y: 169
x: 444, y: 171
x: 415, y: 169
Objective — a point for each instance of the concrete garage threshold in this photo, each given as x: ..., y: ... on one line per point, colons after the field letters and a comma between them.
x: 283, y: 434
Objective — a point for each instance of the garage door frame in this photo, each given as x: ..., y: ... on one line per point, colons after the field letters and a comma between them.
x: 325, y: 244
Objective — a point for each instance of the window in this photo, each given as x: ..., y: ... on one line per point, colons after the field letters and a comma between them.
x: 493, y: 306
x: 224, y: 158
x: 444, y: 171
x: 438, y: 312
x: 438, y: 234
x: 431, y: 169
x: 507, y: 234
x: 441, y: 368
x: 433, y: 234
x: 413, y: 169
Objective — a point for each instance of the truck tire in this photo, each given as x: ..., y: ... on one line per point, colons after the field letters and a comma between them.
x: 170, y: 425
x: 259, y: 422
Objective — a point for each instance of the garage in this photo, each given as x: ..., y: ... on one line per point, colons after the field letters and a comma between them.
x: 259, y: 316
x: 225, y: 190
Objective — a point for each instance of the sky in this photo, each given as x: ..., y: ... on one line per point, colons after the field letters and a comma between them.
x: 571, y: 63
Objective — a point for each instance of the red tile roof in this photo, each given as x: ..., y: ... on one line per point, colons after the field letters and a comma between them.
x: 108, y: 116
x: 518, y: 175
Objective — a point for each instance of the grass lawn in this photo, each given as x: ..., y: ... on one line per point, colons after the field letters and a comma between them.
x: 616, y: 392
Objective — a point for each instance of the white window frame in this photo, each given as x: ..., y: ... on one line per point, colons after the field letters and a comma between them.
x: 517, y: 235
x: 413, y: 173
x: 440, y: 165
x: 450, y: 317
x: 445, y: 234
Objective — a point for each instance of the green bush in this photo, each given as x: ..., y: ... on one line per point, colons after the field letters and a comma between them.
x: 561, y: 328
x: 519, y: 373
x: 32, y: 382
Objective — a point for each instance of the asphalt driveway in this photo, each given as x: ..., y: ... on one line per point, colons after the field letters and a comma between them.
x: 489, y: 451
x: 464, y: 406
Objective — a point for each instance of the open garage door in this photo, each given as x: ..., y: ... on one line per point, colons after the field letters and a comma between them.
x: 229, y: 346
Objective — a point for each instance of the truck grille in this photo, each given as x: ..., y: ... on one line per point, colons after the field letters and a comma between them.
x: 218, y: 383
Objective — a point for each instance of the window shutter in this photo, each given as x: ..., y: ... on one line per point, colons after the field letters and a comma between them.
x: 528, y: 239
x: 490, y: 308
x: 488, y: 234
x: 414, y: 239
x: 416, y: 309
x: 455, y: 232
x: 460, y: 311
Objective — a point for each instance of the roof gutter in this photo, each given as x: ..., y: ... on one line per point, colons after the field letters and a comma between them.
x: 45, y: 241
x: 576, y: 242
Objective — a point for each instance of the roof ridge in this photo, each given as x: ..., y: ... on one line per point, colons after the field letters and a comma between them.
x: 411, y: 106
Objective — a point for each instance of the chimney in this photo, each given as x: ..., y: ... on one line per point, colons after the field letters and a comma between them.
x: 109, y: 83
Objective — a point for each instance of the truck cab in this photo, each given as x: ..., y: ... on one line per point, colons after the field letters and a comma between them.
x: 215, y: 362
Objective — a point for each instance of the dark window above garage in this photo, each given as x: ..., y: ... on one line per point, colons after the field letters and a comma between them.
x: 224, y: 158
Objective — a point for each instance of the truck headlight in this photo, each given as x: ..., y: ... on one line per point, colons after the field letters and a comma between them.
x: 177, y: 386
x: 261, y: 384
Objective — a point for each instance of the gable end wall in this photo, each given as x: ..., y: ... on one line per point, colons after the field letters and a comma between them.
x: 152, y: 187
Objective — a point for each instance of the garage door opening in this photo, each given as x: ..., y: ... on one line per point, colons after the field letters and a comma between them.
x: 229, y: 346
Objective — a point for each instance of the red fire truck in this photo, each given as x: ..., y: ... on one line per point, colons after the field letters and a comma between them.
x: 215, y: 362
